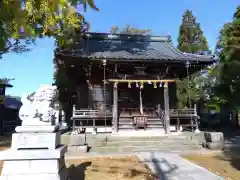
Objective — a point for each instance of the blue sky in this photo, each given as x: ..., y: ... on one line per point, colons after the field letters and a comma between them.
x: 162, y: 16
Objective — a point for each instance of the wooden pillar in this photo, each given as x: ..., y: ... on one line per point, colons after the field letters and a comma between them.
x: 166, y: 109
x: 115, y: 108
x: 90, y: 103
x: 78, y: 97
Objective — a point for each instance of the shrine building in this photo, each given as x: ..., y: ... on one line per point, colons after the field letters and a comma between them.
x: 128, y: 82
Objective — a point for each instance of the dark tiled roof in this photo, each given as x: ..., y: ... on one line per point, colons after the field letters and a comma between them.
x: 12, y: 103
x: 131, y: 47
x: 5, y: 84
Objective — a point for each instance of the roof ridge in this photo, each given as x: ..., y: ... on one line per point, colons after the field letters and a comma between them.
x: 139, y: 37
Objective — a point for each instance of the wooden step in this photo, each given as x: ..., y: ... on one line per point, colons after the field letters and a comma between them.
x: 155, y: 126
x: 125, y: 126
x: 128, y: 126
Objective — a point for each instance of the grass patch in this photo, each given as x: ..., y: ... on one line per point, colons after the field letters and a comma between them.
x: 218, y: 163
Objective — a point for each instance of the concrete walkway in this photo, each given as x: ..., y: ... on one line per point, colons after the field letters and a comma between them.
x: 170, y: 166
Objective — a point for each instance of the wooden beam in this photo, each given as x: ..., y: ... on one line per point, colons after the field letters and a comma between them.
x: 141, y: 81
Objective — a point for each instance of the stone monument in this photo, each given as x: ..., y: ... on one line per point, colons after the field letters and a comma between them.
x: 36, y: 152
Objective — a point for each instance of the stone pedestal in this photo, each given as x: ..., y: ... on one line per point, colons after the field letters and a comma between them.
x: 213, y: 140
x: 34, y: 155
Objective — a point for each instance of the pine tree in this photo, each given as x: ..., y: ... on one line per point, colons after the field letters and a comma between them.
x: 229, y: 56
x: 191, y: 38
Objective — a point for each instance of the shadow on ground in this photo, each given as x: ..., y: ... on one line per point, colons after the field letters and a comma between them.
x: 231, y: 144
x: 232, y: 147
x: 78, y: 171
x: 162, y: 169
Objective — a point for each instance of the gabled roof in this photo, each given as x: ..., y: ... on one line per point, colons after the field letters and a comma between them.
x: 131, y: 47
x: 5, y: 84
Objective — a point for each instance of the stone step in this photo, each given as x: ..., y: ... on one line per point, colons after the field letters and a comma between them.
x: 144, y: 139
x: 91, y: 139
x: 125, y: 126
x: 125, y: 122
x: 146, y: 145
x: 144, y: 149
x: 180, y: 142
x: 155, y: 126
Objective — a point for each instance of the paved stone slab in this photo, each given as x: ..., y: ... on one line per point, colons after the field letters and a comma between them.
x: 62, y: 175
x: 33, y: 154
x: 51, y: 166
x: 170, y: 166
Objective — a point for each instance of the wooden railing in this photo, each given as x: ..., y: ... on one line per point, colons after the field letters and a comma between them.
x: 187, y: 112
x: 86, y: 115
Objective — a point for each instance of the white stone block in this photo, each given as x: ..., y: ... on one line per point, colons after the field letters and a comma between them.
x: 32, y: 167
x: 213, y: 136
x: 35, y: 122
x: 107, y: 129
x: 77, y: 149
x: 35, y: 140
x: 27, y: 129
x: 63, y: 175
x: 173, y: 128
x: 89, y: 130
x: 31, y: 154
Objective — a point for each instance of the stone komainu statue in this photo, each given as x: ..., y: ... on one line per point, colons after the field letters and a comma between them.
x: 38, y: 109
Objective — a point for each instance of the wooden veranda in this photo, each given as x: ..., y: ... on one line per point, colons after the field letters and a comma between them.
x: 134, y: 118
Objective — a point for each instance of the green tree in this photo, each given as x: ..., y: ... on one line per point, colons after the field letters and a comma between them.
x: 228, y: 49
x: 22, y: 21
x: 191, y: 38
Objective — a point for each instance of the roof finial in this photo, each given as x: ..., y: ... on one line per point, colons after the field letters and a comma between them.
x: 169, y: 36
